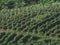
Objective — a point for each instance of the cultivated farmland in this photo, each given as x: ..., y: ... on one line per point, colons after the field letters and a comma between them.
x: 29, y: 22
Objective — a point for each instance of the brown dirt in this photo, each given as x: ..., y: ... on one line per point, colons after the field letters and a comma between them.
x: 1, y: 30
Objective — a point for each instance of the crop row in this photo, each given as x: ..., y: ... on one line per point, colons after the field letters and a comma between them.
x: 15, y: 17
x: 13, y: 38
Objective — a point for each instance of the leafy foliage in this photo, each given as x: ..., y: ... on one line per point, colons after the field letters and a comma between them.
x: 30, y: 25
x: 22, y: 3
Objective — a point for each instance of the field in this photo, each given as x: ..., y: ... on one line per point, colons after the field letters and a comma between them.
x: 29, y: 22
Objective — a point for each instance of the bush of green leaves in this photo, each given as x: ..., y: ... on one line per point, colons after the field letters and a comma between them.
x: 21, y: 3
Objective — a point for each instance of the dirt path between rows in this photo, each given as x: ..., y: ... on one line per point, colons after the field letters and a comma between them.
x: 1, y: 30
